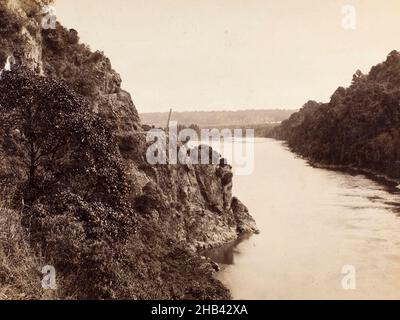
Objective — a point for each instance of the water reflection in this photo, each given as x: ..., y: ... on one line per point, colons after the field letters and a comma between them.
x: 226, y: 254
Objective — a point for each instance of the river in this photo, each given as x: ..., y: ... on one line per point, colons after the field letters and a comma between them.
x: 313, y: 222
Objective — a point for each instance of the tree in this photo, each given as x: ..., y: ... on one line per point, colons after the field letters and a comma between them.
x: 47, y: 129
x: 77, y: 206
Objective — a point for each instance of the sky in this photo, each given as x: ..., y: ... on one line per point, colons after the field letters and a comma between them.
x: 235, y: 54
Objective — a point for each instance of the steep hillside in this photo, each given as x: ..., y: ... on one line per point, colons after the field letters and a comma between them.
x: 359, y: 127
x: 73, y: 170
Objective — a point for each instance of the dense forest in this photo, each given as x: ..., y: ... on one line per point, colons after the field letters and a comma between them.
x: 359, y: 127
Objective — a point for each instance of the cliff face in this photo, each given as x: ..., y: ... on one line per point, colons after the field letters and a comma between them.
x: 359, y: 127
x: 179, y: 208
x: 196, y: 199
x: 21, y: 32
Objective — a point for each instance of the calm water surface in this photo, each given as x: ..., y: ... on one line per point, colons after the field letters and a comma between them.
x: 312, y: 223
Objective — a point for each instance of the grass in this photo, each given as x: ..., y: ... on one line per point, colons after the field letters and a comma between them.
x: 20, y: 276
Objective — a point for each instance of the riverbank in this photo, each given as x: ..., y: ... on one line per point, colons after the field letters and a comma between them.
x: 356, y: 170
x: 374, y: 175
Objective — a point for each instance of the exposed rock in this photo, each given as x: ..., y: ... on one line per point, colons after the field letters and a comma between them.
x: 245, y: 222
x: 185, y: 206
x: 20, y: 31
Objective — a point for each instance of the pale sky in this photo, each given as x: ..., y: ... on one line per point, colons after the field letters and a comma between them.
x: 234, y: 54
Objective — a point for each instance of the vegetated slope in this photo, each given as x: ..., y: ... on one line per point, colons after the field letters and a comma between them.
x: 77, y: 189
x: 359, y: 127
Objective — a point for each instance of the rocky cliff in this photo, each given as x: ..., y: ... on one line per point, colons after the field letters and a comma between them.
x: 177, y: 209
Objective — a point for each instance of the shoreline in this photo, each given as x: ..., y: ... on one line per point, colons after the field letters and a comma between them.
x: 369, y: 173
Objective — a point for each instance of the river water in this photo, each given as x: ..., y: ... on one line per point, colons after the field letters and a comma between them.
x: 313, y: 222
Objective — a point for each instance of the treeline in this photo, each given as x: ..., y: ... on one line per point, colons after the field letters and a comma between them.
x: 260, y: 130
x: 217, y: 119
x: 61, y: 169
x: 359, y: 126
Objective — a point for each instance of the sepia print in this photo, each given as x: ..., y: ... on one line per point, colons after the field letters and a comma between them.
x: 199, y: 150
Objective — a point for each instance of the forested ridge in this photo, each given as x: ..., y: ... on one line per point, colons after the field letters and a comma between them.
x: 218, y: 119
x: 359, y: 127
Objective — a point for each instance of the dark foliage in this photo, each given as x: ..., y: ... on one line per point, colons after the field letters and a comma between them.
x: 73, y: 189
x: 89, y: 73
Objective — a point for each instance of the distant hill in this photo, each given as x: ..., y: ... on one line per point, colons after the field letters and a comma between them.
x: 218, y: 119
x: 359, y: 126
